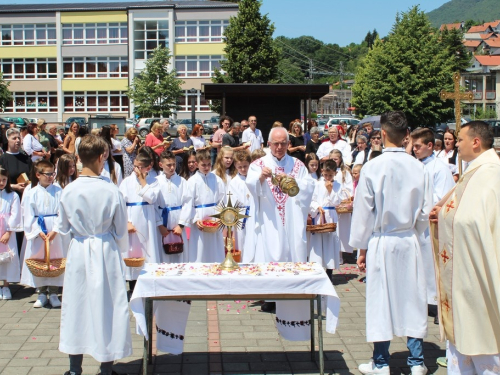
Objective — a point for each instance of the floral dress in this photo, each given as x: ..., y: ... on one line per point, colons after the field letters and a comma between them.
x: 128, y: 158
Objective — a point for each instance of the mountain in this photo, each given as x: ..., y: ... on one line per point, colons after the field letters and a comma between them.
x: 464, y: 10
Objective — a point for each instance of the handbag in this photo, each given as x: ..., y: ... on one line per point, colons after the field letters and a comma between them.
x: 171, y: 244
x: 6, y: 257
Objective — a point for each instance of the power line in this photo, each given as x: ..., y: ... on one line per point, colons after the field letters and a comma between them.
x: 326, y: 46
x: 289, y: 76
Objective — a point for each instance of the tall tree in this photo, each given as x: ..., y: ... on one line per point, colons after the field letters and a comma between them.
x: 405, y: 72
x: 156, y: 90
x: 5, y: 94
x: 452, y: 41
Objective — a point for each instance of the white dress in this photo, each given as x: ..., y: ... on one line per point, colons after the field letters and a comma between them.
x: 142, y: 213
x: 344, y: 224
x: 324, y: 248
x: 171, y: 199
x: 203, y: 193
x: 94, y: 316
x: 38, y: 202
x: 391, y: 209
x: 12, y: 221
x: 105, y: 175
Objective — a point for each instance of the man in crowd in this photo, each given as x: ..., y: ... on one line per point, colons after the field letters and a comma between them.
x: 225, y: 123
x: 165, y: 124
x: 335, y: 143
x: 467, y: 250
x: 232, y: 139
x: 253, y: 135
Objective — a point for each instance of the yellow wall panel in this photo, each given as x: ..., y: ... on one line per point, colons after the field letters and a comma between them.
x: 191, y: 49
x: 95, y: 84
x: 91, y: 17
x: 28, y: 52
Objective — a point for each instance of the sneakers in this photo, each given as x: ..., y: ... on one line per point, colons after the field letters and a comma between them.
x: 370, y: 368
x: 419, y: 370
x: 6, y: 293
x: 54, y: 300
x: 442, y: 361
x: 41, y: 301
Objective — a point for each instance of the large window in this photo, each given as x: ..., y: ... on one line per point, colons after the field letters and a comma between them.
x: 148, y: 35
x: 201, y: 105
x: 196, y: 66
x: 95, y: 33
x: 33, y: 102
x: 28, y: 35
x: 96, y: 101
x: 13, y: 69
x: 200, y: 31
x: 95, y: 67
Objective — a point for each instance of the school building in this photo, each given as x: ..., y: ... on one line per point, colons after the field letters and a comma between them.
x: 66, y: 60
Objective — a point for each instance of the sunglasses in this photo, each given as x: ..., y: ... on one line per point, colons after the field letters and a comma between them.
x: 246, y: 126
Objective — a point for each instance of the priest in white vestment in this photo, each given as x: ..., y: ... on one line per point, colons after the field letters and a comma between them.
x: 391, y: 210
x: 467, y: 249
x: 335, y: 143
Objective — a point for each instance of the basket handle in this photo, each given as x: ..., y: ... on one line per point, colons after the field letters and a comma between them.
x: 322, y: 219
x: 47, y: 253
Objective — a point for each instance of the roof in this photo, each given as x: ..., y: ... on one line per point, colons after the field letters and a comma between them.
x: 218, y: 90
x: 487, y: 36
x: 487, y: 60
x: 472, y: 43
x: 479, y: 29
x: 451, y: 26
x: 83, y: 7
x: 494, y: 43
x: 493, y: 24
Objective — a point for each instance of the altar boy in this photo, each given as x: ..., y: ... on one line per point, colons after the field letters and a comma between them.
x: 204, y: 191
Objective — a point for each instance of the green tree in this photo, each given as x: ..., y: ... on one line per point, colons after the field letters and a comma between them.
x: 156, y: 90
x: 5, y: 94
x: 406, y: 72
x: 451, y: 40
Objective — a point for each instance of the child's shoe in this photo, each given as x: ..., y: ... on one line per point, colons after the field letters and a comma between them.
x: 54, y: 300
x: 6, y: 293
x: 41, y: 301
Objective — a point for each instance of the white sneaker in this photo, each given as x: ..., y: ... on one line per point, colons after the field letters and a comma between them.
x: 6, y: 293
x: 41, y: 301
x: 54, y: 300
x: 370, y: 368
x: 419, y: 370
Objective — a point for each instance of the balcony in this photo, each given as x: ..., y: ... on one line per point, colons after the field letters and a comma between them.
x: 491, y: 94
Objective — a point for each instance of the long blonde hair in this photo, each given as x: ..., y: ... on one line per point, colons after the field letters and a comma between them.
x: 343, y: 168
x: 219, y: 168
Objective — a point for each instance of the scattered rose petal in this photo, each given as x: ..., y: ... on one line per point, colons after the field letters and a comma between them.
x: 33, y: 338
x: 244, y: 307
x: 227, y: 310
x: 228, y: 305
x: 24, y: 311
x: 237, y: 301
x: 347, y: 290
x: 25, y: 357
x: 238, y: 311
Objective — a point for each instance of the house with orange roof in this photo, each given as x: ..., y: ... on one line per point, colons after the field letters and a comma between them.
x: 475, y: 32
x: 452, y: 26
x: 472, y: 45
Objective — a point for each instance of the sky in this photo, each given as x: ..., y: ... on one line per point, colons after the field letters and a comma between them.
x: 331, y: 21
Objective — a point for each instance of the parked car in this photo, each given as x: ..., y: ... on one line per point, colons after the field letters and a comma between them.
x: 495, y: 126
x: 82, y: 121
x: 144, y: 126
x: 337, y: 120
x: 19, y: 121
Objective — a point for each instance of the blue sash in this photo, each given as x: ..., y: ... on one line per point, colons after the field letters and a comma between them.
x: 247, y: 211
x: 165, y: 211
x: 138, y: 204
x: 328, y: 208
x: 206, y: 205
x: 41, y: 221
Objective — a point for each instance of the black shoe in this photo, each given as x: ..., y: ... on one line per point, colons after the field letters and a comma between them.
x: 436, y: 320
x: 268, y: 307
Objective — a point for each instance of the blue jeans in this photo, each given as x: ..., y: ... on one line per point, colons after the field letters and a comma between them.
x: 415, y: 346
x: 213, y: 155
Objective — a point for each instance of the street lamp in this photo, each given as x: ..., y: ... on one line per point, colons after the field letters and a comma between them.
x: 193, y: 114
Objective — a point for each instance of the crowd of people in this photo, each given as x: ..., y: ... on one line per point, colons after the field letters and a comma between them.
x: 97, y: 200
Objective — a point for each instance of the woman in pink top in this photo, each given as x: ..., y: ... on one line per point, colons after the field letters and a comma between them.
x: 155, y: 139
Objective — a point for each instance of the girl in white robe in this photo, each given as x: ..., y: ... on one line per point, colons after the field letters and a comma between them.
x: 41, y: 206
x: 224, y: 167
x: 140, y: 192
x: 112, y: 172
x: 204, y: 192
x: 10, y: 221
x: 171, y: 199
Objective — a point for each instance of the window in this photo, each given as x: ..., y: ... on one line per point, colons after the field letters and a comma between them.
x: 96, y: 101
x: 200, y: 31
x: 148, y: 35
x: 28, y: 68
x: 32, y: 102
x: 28, y: 35
x: 95, y: 67
x: 196, y: 66
x: 95, y: 33
x: 201, y: 104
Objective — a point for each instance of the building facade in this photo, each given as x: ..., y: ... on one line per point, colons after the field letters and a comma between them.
x: 67, y: 60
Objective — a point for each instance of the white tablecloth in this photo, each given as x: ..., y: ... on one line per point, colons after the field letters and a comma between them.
x: 198, y: 279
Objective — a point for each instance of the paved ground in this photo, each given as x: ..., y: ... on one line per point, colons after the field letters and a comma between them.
x: 242, y: 340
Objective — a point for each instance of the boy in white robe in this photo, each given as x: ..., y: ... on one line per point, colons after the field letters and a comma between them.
x: 140, y: 192
x: 324, y: 248
x: 94, y: 315
x: 41, y: 206
x: 204, y: 192
x: 171, y: 199
x: 390, y: 211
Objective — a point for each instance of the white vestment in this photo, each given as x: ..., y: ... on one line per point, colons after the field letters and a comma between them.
x: 105, y: 175
x: 10, y: 221
x: 171, y: 200
x: 280, y: 227
x: 142, y: 213
x: 391, y: 209
x: 38, y: 203
x: 441, y: 182
x: 324, y: 248
x: 203, y: 193
x: 94, y: 315
x: 344, y: 223
x: 341, y: 145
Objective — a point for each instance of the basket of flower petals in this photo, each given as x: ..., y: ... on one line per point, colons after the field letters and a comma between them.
x: 210, y: 226
x: 134, y: 262
x: 46, y: 267
x: 322, y: 227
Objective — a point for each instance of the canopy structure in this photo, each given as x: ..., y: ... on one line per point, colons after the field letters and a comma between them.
x: 268, y: 102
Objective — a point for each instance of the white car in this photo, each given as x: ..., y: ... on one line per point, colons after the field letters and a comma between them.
x: 337, y: 120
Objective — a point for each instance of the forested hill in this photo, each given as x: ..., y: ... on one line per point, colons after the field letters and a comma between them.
x: 463, y: 10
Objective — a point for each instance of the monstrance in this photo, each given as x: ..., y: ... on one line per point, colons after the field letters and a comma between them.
x: 229, y: 216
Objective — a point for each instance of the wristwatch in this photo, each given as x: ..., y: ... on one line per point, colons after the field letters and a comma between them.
x: 182, y: 226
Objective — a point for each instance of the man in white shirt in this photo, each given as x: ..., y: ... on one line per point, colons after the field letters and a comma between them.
x: 335, y: 144
x: 253, y: 135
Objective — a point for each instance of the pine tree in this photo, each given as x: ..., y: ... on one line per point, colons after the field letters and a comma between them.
x: 452, y: 41
x: 5, y: 94
x: 155, y: 91
x: 406, y: 71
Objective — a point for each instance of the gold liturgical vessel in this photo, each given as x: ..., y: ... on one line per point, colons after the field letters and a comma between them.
x: 287, y: 184
x: 229, y: 216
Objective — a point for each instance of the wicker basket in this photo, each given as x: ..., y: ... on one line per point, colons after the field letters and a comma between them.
x: 208, y: 229
x: 134, y: 262
x: 345, y: 207
x: 322, y: 228
x: 46, y: 267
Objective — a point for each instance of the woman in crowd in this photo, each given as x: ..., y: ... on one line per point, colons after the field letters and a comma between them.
x: 197, y: 137
x: 178, y: 145
x: 297, y: 146
x: 130, y: 144
x: 450, y: 152
x: 189, y: 165
x: 314, y: 142
x: 116, y: 148
x: 70, y: 139
x: 82, y: 132
x: 155, y: 139
x: 32, y: 146
x: 307, y: 135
